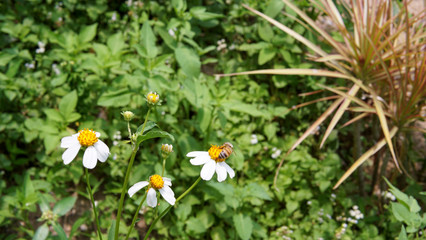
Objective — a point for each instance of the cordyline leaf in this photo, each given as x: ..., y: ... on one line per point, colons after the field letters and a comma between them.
x: 314, y: 101
x: 359, y: 117
x: 306, y: 134
x: 350, y: 95
x: 331, y: 58
x: 339, y: 113
x: 297, y: 36
x: 364, y: 157
x: 292, y: 71
x: 385, y: 128
x: 367, y: 110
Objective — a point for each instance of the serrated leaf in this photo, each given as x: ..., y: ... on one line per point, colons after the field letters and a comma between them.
x: 189, y: 61
x: 68, y: 103
x: 265, y: 55
x: 53, y: 115
x: 28, y: 185
x: 115, y: 98
x: 41, y: 233
x: 111, y: 230
x: 243, y: 225
x: 265, y: 31
x: 255, y: 190
x: 403, y: 234
x: 116, y: 43
x: 87, y: 33
x: 60, y: 231
x: 148, y: 41
x: 5, y: 58
x: 64, y: 205
x: 154, y: 134
x: 149, y: 125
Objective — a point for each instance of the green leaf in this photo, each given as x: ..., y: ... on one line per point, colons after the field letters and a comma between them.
x: 244, y: 226
x: 257, y: 191
x: 189, y: 61
x: 64, y: 205
x: 270, y: 130
x: 87, y: 33
x: 149, y: 125
x: 148, y: 41
x: 41, y: 233
x: 265, y: 31
x: 73, y: 117
x: 201, y: 14
x: 53, y: 115
x: 273, y: 8
x: 115, y: 98
x: 68, y: 103
x: 60, y: 231
x: 265, y: 55
x: 5, y: 58
x: 250, y: 109
x: 111, y: 230
x: 28, y: 185
x: 116, y: 43
x: 154, y: 134
x: 204, y: 116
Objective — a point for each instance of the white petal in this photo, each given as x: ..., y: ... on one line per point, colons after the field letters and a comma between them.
x: 208, y: 170
x: 90, y: 158
x: 97, y: 134
x: 151, y: 198
x: 168, y: 195
x: 200, y: 160
x: 197, y: 153
x: 70, y: 153
x: 221, y: 172
x: 167, y: 181
x: 102, y: 149
x: 136, y: 187
x: 229, y: 170
x: 69, y: 141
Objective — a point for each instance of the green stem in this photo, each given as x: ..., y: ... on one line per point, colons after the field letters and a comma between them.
x: 93, y: 204
x: 126, y: 180
x: 169, y: 207
x: 135, y: 217
x: 130, y: 131
x: 164, y: 166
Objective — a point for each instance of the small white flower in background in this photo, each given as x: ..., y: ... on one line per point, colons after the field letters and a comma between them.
x: 114, y: 157
x: 114, y: 17
x: 232, y: 47
x: 129, y: 3
x: 309, y: 203
x: 41, y: 47
x: 172, y: 32
x: 213, y: 161
x: 29, y: 65
x: 217, y: 78
x: 156, y: 182
x: 221, y: 44
x: 253, y: 139
x: 56, y: 69
x: 389, y: 195
x: 96, y: 149
x: 166, y: 150
x: 355, y: 212
x: 276, y: 153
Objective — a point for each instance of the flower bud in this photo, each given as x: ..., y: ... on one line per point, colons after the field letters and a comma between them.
x: 152, y: 98
x: 166, y: 149
x: 128, y: 115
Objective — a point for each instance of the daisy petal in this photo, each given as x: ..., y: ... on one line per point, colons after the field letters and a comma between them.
x: 208, y: 170
x: 90, y: 157
x: 200, y: 160
x: 69, y: 141
x: 97, y: 134
x: 167, y: 181
x: 70, y: 153
x: 229, y: 170
x: 168, y: 195
x: 151, y: 198
x: 197, y: 153
x: 136, y: 187
x: 221, y: 172
x: 102, y: 149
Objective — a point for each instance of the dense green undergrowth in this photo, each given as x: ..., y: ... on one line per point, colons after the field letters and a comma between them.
x: 71, y: 65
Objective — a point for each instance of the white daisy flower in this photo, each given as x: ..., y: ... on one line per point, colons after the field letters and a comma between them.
x: 96, y: 149
x: 213, y: 161
x: 156, y: 182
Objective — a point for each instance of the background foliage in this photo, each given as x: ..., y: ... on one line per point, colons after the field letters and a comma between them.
x: 77, y: 64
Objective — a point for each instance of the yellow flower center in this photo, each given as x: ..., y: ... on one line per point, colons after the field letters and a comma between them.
x: 156, y: 181
x: 153, y: 97
x: 87, y: 137
x: 214, y: 153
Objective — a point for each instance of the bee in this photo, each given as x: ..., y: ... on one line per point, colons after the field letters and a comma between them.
x: 227, y: 149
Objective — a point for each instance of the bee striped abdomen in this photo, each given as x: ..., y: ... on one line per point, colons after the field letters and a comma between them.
x: 227, y: 149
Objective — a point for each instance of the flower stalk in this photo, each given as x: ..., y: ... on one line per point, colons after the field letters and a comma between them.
x: 169, y: 207
x: 136, y: 216
x: 93, y: 203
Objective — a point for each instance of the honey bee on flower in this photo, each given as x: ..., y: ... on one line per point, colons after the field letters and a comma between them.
x: 214, y: 161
